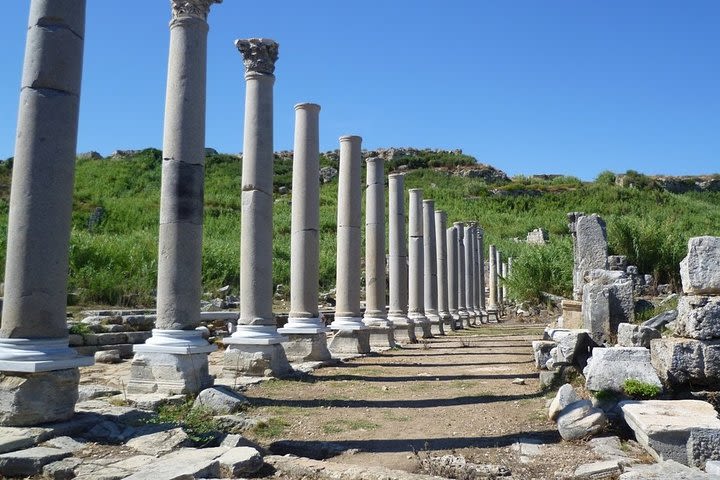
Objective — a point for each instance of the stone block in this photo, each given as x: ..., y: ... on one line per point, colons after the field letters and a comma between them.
x: 18, y: 438
x: 183, y: 464
x: 659, y: 321
x: 713, y: 467
x: 564, y: 397
x: 574, y: 348
x: 75, y: 340
x: 168, y: 373
x: 255, y: 360
x: 681, y: 362
x: 698, y: 317
x: 579, y: 420
x: 541, y: 351
x: 381, y: 338
x: 138, y: 337
x: 350, y: 342
x: 220, y: 400
x: 596, y: 311
x: 572, y: 314
x: 608, y: 368
x: 62, y: 469
x: 703, y: 445
x: 29, y: 462
x: 240, y: 461
x: 700, y: 269
x: 306, y: 347
x: 607, y: 469
x: 668, y: 470
x: 663, y: 427
x: 630, y: 335
x: 108, y: 356
x: 159, y: 443
x: 28, y: 399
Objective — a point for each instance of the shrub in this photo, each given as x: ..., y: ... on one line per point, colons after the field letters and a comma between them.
x: 638, y: 389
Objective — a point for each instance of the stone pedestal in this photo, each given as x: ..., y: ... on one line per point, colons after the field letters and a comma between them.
x: 254, y: 348
x: 305, y: 329
x: 397, y: 259
x: 416, y: 269
x: 38, y: 370
x: 352, y: 332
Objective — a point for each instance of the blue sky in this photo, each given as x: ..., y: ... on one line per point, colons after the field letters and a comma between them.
x: 529, y: 86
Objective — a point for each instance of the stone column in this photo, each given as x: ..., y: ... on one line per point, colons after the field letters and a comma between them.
x: 255, y: 347
x: 305, y: 329
x: 430, y: 279
x: 504, y: 270
x: 480, y: 249
x: 453, y: 276
x: 416, y: 274
x: 352, y: 334
x: 476, y: 273
x: 469, y: 271
x: 175, y: 359
x: 498, y: 277
x: 462, y: 298
x: 39, y: 372
x: 381, y: 331
x: 492, y: 305
x: 397, y: 259
x: 442, y: 269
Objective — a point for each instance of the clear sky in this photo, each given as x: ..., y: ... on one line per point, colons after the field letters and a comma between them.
x: 529, y: 86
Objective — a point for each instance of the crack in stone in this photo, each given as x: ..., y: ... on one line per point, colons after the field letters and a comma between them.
x: 54, y: 27
x: 50, y: 92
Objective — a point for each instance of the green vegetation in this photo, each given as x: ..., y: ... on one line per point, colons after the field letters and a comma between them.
x: 113, y: 247
x: 79, y: 329
x: 339, y: 426
x: 640, y: 390
x: 197, y: 422
x: 272, y: 428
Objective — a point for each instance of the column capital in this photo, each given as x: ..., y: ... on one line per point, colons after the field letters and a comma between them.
x: 193, y: 8
x: 259, y: 54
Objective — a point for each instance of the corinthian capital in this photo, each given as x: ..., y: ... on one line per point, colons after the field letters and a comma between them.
x: 195, y: 8
x: 259, y: 54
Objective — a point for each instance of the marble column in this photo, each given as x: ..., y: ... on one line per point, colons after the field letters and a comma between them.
x: 175, y: 359
x: 416, y: 269
x: 469, y: 274
x: 442, y: 269
x: 451, y: 237
x: 504, y: 270
x: 255, y: 347
x: 492, y: 305
x: 381, y: 329
x: 480, y: 249
x: 397, y: 259
x: 462, y: 297
x: 352, y: 334
x: 38, y: 371
x: 498, y: 277
x: 305, y: 329
x: 430, y: 279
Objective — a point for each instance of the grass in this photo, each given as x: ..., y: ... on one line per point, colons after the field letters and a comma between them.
x: 637, y: 389
x: 197, y: 422
x: 272, y: 428
x: 339, y: 426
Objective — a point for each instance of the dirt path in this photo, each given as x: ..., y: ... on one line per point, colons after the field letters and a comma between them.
x: 451, y: 394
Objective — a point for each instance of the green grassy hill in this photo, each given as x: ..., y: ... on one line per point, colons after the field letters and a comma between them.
x: 114, y: 240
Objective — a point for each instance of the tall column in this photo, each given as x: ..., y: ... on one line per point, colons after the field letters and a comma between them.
x: 352, y: 335
x: 453, y: 276
x: 255, y: 347
x: 397, y: 259
x: 381, y: 331
x: 476, y: 272
x: 462, y: 298
x: 480, y: 249
x: 442, y: 270
x: 175, y: 359
x: 305, y: 329
x: 498, y: 277
x: 430, y: 286
x: 416, y: 274
x: 504, y: 270
x: 39, y: 369
x: 492, y: 280
x: 469, y: 271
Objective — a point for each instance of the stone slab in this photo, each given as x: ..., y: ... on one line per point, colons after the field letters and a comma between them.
x: 306, y: 347
x: 28, y: 462
x: 183, y: 464
x: 607, y: 469
x: 700, y: 269
x: 608, y: 368
x: 350, y: 342
x: 256, y: 360
x: 18, y: 438
x: 681, y: 362
x: 668, y: 470
x: 663, y: 427
x: 698, y: 317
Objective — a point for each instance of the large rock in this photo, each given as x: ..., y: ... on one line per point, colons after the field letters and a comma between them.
x: 663, y: 427
x: 183, y: 464
x: 23, y: 396
x: 700, y: 269
x: 579, y: 420
x: 590, y: 247
x: 668, y: 470
x: 596, y: 311
x: 240, y: 461
x: 565, y: 396
x: 159, y: 443
x: 681, y: 362
x: 698, y: 317
x: 703, y: 446
x: 541, y: 351
x: 25, y: 463
x: 608, y: 368
x: 220, y: 400
x: 630, y: 335
x: 659, y: 321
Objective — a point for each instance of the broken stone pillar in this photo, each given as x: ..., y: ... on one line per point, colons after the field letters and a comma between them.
x: 305, y: 329
x: 174, y: 359
x: 480, y: 249
x: 352, y: 334
x: 589, y: 247
x: 442, y: 269
x: 397, y: 259
x: 430, y: 268
x: 39, y: 373
x: 416, y: 283
x: 469, y: 271
x: 462, y: 295
x: 255, y: 347
x: 381, y: 329
x: 492, y: 305
x: 453, y: 276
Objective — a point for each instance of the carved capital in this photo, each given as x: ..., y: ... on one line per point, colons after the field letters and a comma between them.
x: 259, y: 54
x: 194, y: 8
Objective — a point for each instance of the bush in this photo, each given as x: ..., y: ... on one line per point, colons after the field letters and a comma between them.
x: 640, y: 390
x: 542, y: 268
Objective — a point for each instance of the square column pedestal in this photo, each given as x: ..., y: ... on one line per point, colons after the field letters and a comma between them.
x: 423, y: 322
x: 307, y: 340
x: 403, y: 329
x: 39, y: 380
x: 382, y: 333
x: 436, y: 326
x: 255, y: 350
x: 171, y: 362
x: 352, y: 336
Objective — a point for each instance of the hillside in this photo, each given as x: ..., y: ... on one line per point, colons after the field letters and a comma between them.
x: 114, y: 241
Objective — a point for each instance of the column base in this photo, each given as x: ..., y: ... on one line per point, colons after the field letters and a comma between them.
x: 454, y: 320
x: 464, y: 319
x: 169, y: 373
x: 303, y: 326
x: 33, y: 355
x: 446, y: 321
x: 381, y: 337
x: 306, y: 347
x: 404, y: 329
x: 493, y: 315
x: 436, y: 327
x: 256, y: 360
x: 255, y: 335
x: 350, y: 342
x: 423, y: 322
x: 348, y: 323
x: 32, y: 398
